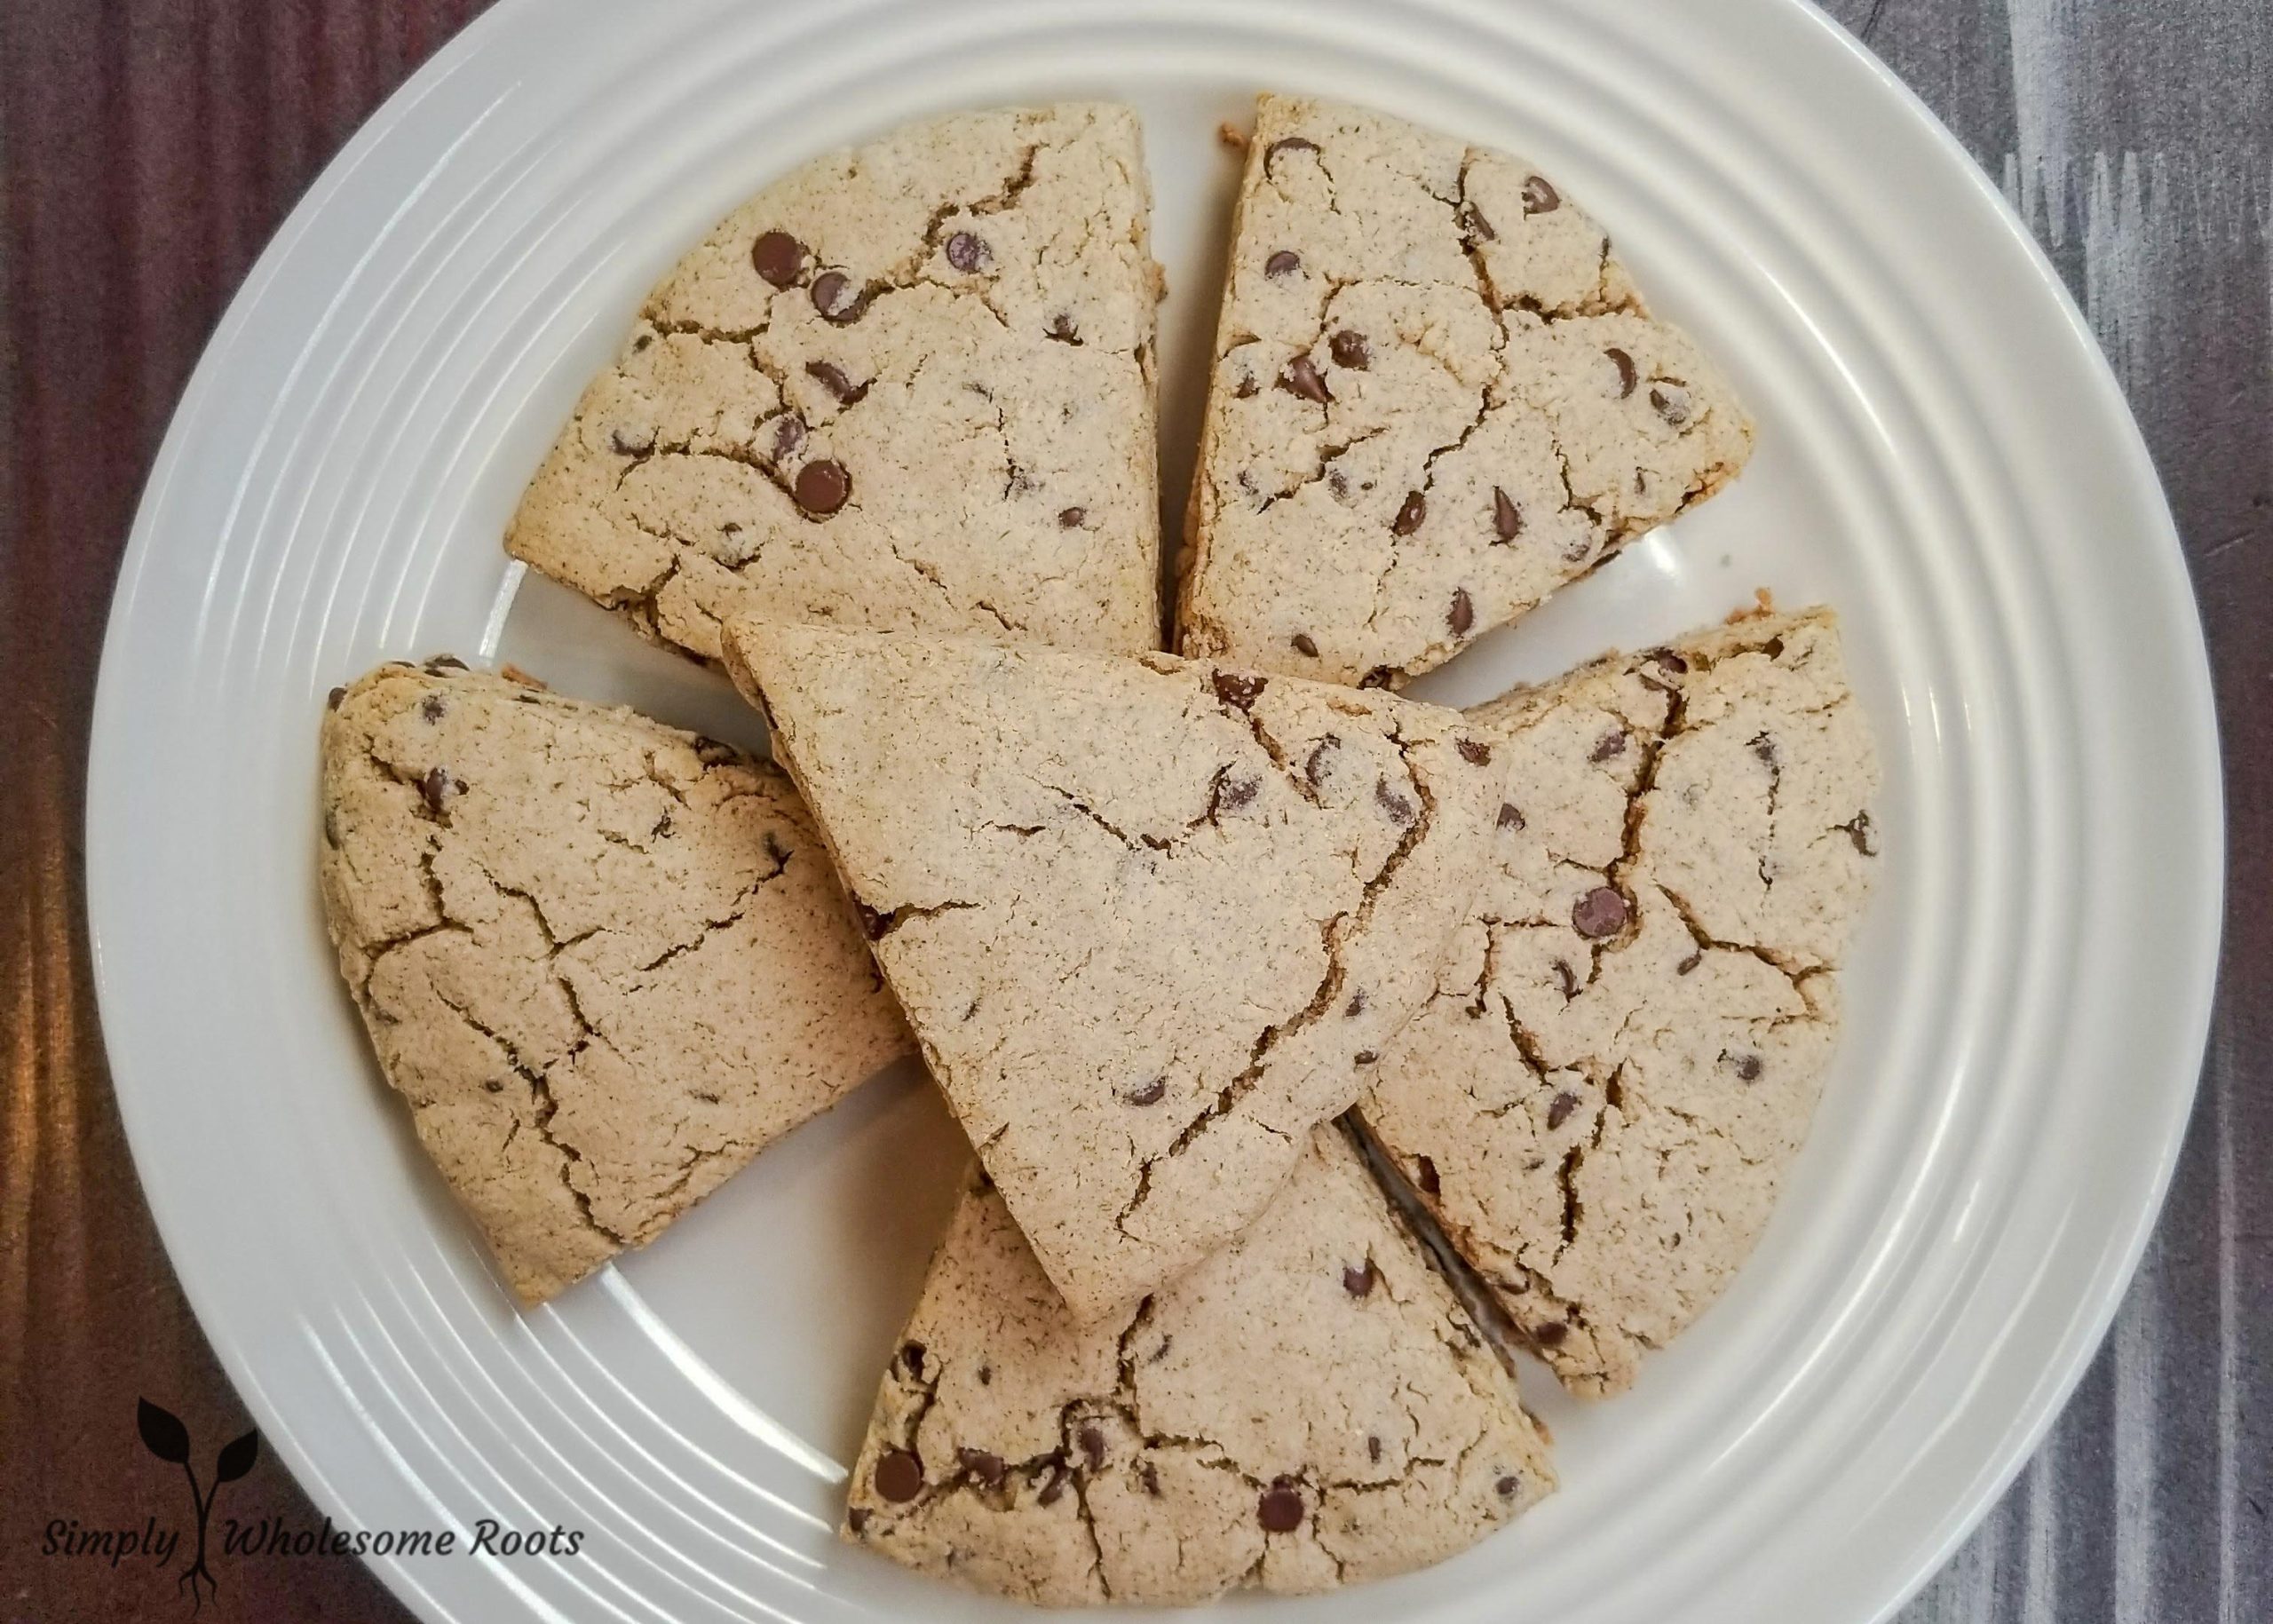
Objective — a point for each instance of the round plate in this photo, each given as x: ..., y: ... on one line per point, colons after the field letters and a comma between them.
x: 1942, y: 455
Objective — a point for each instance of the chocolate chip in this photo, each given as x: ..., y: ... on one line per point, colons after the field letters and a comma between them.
x: 332, y: 700
x: 1462, y: 615
x: 1748, y: 1068
x: 822, y: 488
x: 1092, y: 1443
x: 1860, y: 832
x: 1396, y: 806
x: 1070, y: 519
x: 1577, y: 547
x: 1161, y: 1351
x: 1062, y: 329
x: 1600, y: 913
x: 1508, y: 1488
x: 1473, y: 223
x: 631, y: 442
x: 443, y: 663
x: 1280, y: 1509
x: 1304, y: 644
x: 1350, y: 349
x: 1055, y: 1489
x: 1689, y: 964
x: 835, y: 297
x: 1619, y: 359
x: 1373, y: 1447
x: 1763, y: 749
x: 1671, y: 401
x: 899, y: 1476
x: 435, y: 788
x: 966, y: 253
x: 1612, y: 743
x: 1359, y: 1282
x: 1566, y: 978
x: 1337, y: 481
x: 911, y: 1354
x: 1409, y: 516
x: 1314, y: 767
x: 1356, y: 1006
x: 1559, y: 1109
x: 789, y: 434
x: 1235, y: 793
x: 1541, y: 197
x: 983, y: 1466
x: 857, y: 1518
x: 1302, y: 377
x: 1475, y: 752
x: 1511, y: 816
x: 1235, y: 690
x: 1551, y: 1334
x: 639, y: 344
x: 662, y: 826
x: 778, y: 257
x: 1149, y: 1477
x: 1507, y: 517
x: 1424, y: 1173
x: 1285, y: 144
x: 831, y: 377
x: 1286, y: 262
x: 432, y: 708
x: 1148, y: 1094
x: 1247, y: 389
x: 1364, y: 1057
x: 986, y: 1375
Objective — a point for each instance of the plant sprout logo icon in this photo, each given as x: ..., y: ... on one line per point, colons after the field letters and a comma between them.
x: 164, y: 1437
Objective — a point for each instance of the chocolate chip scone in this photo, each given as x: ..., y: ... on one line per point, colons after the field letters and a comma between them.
x: 606, y: 962
x: 1308, y: 1408
x: 908, y: 385
x: 1150, y: 919
x: 1437, y: 398
x: 1627, y: 1040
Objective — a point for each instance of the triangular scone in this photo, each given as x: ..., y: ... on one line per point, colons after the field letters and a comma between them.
x: 908, y: 385
x: 1149, y: 919
x: 604, y: 961
x: 1437, y: 398
x: 1309, y: 1407
x: 1629, y: 1035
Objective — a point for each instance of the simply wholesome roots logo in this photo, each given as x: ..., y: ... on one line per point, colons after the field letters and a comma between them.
x: 164, y: 1437
x: 157, y: 1544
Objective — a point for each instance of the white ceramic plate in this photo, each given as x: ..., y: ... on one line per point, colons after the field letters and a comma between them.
x: 1942, y: 455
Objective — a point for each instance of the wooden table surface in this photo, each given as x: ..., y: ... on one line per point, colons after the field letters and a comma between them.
x: 147, y: 149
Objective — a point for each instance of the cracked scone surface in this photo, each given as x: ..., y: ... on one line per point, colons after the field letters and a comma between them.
x: 1437, y: 398
x: 1309, y: 1407
x: 908, y: 385
x: 1630, y: 1033
x: 1149, y: 919
x: 604, y: 960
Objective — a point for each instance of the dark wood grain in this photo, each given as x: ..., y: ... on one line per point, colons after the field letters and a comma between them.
x: 148, y: 148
